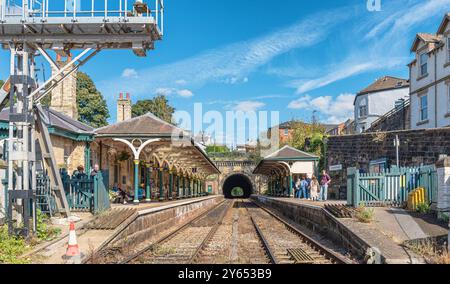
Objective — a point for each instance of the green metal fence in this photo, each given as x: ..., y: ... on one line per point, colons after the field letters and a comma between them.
x: 390, y: 187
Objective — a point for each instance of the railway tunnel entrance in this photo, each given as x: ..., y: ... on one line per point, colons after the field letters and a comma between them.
x: 237, y: 186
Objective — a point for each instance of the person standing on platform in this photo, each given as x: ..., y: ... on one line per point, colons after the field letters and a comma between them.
x: 298, y: 193
x: 325, y: 181
x: 308, y: 188
x: 315, y: 188
x: 303, y: 188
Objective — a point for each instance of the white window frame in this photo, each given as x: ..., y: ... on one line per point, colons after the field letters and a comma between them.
x: 363, y: 105
x: 448, y: 49
x: 286, y: 132
x: 421, y: 108
x: 421, y: 64
x: 448, y: 98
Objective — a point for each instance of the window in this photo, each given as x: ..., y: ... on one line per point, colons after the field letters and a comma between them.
x: 448, y: 49
x: 448, y: 98
x: 423, y: 64
x: 286, y: 132
x: 424, y: 108
x: 363, y: 110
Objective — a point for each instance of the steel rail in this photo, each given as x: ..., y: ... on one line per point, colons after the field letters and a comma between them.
x: 169, y: 235
x: 210, y: 235
x: 331, y: 255
x: 263, y: 239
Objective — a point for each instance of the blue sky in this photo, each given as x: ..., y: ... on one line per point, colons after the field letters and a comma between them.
x: 292, y: 56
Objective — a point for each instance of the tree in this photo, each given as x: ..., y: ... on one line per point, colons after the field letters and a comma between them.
x: 159, y: 106
x: 217, y: 149
x: 92, y: 107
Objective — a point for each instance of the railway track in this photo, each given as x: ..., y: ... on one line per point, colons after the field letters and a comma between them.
x: 285, y: 244
x: 236, y: 232
x: 235, y: 241
x: 184, y: 244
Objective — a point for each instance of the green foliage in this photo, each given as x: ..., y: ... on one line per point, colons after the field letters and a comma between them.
x: 159, y: 106
x: 365, y: 215
x: 92, y: 108
x: 11, y: 247
x: 423, y: 208
x: 217, y: 149
x: 44, y: 233
x: 237, y: 192
x: 123, y: 156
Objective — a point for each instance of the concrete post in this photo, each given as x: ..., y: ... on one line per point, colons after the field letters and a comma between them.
x: 136, y: 181
x: 443, y: 175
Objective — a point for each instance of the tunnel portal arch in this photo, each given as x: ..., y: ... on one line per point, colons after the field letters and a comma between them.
x: 237, y: 180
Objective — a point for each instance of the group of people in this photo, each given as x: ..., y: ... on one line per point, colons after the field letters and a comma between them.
x: 80, y: 172
x: 312, y: 188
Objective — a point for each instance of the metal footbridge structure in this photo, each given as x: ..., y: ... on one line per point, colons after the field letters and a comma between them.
x: 77, y: 30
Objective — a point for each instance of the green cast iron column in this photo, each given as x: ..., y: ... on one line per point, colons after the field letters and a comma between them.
x: 188, y: 187
x: 290, y: 186
x: 136, y: 181
x: 171, y: 186
x: 148, y: 194
x: 195, y: 188
x: 184, y: 187
x: 87, y: 159
x: 178, y: 186
x: 161, y: 184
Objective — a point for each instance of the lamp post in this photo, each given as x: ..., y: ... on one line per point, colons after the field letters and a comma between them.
x: 397, y: 149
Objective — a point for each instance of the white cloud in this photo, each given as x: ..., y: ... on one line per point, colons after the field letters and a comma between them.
x: 165, y: 91
x: 336, y: 110
x: 185, y: 93
x: 129, y: 73
x: 236, y: 60
x: 181, y: 82
x: 247, y: 106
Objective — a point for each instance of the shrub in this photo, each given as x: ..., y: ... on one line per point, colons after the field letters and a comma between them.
x: 11, y: 247
x: 365, y: 215
x: 43, y: 232
x: 423, y: 208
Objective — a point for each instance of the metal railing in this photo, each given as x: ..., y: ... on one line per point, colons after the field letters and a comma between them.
x: 389, y: 114
x: 75, y: 9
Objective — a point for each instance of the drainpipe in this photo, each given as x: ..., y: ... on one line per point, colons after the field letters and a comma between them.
x: 435, y: 92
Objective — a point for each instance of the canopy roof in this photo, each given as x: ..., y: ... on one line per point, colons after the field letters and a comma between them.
x: 60, y: 124
x: 279, y: 162
x: 181, y: 153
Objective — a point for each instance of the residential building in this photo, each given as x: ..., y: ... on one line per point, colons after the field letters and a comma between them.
x: 286, y: 130
x: 377, y: 99
x: 337, y: 131
x: 349, y: 127
x: 430, y: 78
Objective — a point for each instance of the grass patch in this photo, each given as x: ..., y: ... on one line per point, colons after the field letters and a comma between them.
x: 365, y: 215
x: 423, y: 208
x: 433, y: 250
x: 11, y: 247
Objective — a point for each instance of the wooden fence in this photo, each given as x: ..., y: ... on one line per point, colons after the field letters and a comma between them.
x: 391, y: 187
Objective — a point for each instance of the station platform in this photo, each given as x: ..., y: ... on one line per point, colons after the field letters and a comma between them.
x: 94, y: 232
x: 388, y: 232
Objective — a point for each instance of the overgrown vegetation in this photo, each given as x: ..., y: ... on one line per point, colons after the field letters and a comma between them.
x: 237, y: 192
x: 423, y: 208
x: 434, y: 252
x: 365, y: 215
x: 12, y: 247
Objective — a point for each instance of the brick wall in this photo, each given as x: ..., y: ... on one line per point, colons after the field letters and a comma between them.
x: 417, y: 147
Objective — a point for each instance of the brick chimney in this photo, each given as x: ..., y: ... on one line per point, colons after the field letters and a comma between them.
x: 123, y: 107
x: 64, y: 96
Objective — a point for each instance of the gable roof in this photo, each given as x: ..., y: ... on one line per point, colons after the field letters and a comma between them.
x: 147, y: 125
x: 290, y: 153
x: 58, y: 120
x: 425, y: 37
x: 444, y: 23
x: 384, y: 84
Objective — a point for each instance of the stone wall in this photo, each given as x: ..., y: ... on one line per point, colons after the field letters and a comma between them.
x: 417, y: 147
x: 74, y: 151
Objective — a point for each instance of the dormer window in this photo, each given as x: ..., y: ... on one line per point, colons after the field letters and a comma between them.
x: 399, y: 84
x: 423, y: 59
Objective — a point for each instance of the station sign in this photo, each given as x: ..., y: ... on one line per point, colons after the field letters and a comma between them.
x: 336, y: 168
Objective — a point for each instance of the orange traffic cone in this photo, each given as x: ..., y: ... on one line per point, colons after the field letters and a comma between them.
x: 73, y: 249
